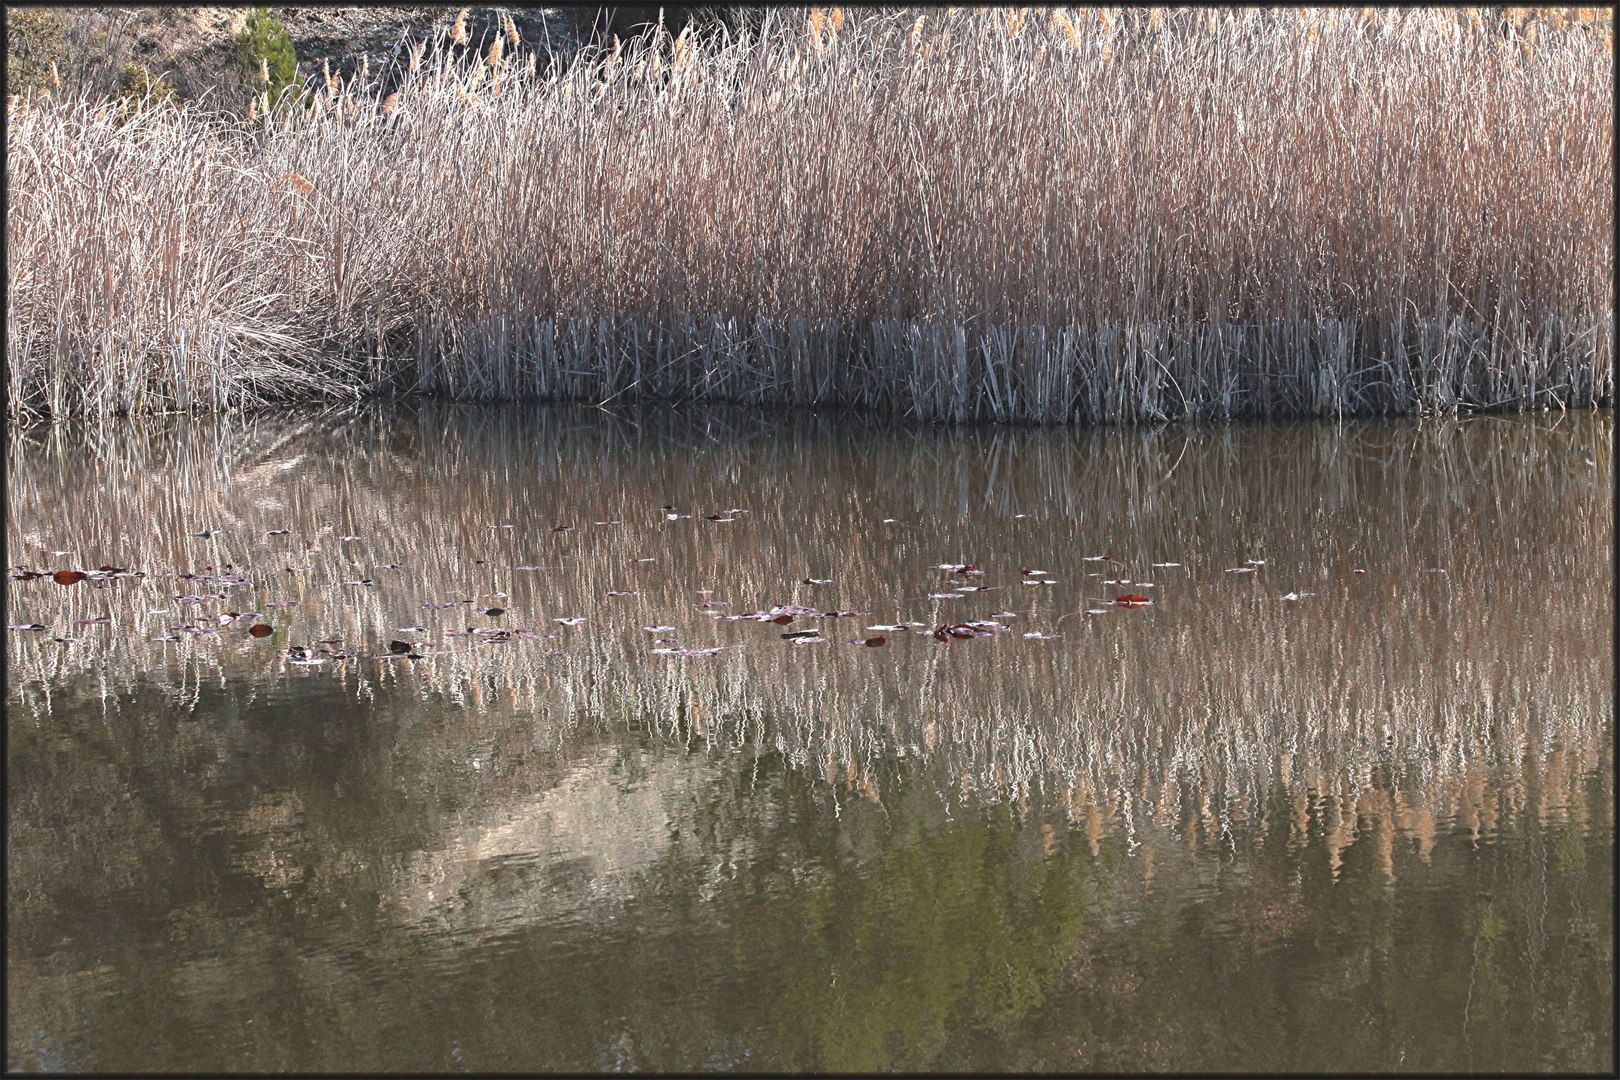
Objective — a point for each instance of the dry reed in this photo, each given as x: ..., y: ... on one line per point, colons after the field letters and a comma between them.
x: 1100, y: 215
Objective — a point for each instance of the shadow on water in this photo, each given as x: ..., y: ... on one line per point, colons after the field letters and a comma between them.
x: 1366, y: 828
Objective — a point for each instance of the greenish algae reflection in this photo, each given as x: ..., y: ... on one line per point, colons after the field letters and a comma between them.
x: 884, y: 930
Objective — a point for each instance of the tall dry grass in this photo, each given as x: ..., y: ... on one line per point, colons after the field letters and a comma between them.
x: 1033, y: 215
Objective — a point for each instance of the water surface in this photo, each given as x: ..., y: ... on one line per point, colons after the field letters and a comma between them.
x: 1287, y: 816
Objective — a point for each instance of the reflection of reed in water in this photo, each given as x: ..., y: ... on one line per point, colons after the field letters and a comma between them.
x: 1179, y: 715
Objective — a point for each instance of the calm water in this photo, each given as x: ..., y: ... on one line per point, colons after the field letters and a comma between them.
x: 1295, y: 817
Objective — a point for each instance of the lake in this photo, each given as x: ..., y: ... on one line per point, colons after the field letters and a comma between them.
x: 527, y: 774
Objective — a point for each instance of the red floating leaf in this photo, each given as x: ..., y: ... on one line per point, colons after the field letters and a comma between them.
x: 1132, y: 600
x: 875, y: 642
x: 782, y: 620
x: 261, y: 630
x: 68, y: 577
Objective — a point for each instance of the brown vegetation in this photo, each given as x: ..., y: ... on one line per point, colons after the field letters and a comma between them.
x: 1094, y: 215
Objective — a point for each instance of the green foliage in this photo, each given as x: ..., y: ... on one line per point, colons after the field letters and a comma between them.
x: 137, y: 81
x: 264, y: 47
x: 34, y: 37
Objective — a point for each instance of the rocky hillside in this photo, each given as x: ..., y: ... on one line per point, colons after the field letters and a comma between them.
x: 101, y: 50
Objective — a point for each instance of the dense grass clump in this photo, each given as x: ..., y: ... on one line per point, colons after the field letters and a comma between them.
x: 1032, y: 215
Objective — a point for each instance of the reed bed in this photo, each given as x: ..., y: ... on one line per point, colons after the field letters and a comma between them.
x: 1032, y: 215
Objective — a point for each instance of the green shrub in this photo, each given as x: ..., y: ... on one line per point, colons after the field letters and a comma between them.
x: 137, y: 81
x: 34, y: 37
x: 264, y: 48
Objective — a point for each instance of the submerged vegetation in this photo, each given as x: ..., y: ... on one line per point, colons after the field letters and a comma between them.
x: 1014, y: 215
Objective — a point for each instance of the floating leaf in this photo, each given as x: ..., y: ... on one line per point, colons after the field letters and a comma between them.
x: 620, y: 592
x: 816, y: 581
x: 26, y: 626
x: 1132, y: 600
x: 278, y: 532
x: 782, y: 620
x: 495, y: 612
x: 658, y: 629
x: 801, y: 633
x: 261, y: 630
x: 1240, y: 570
x: 1166, y: 564
x: 68, y: 577
x: 1096, y: 611
x: 575, y: 621
x: 1042, y: 637
x: 806, y: 640
x: 891, y: 627
x: 400, y: 647
x: 873, y: 642
x: 284, y: 603
x: 103, y: 621
x: 944, y: 596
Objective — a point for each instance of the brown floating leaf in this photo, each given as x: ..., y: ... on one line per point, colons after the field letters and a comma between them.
x: 875, y: 642
x: 68, y: 577
x: 782, y: 620
x: 400, y: 647
x: 261, y: 630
